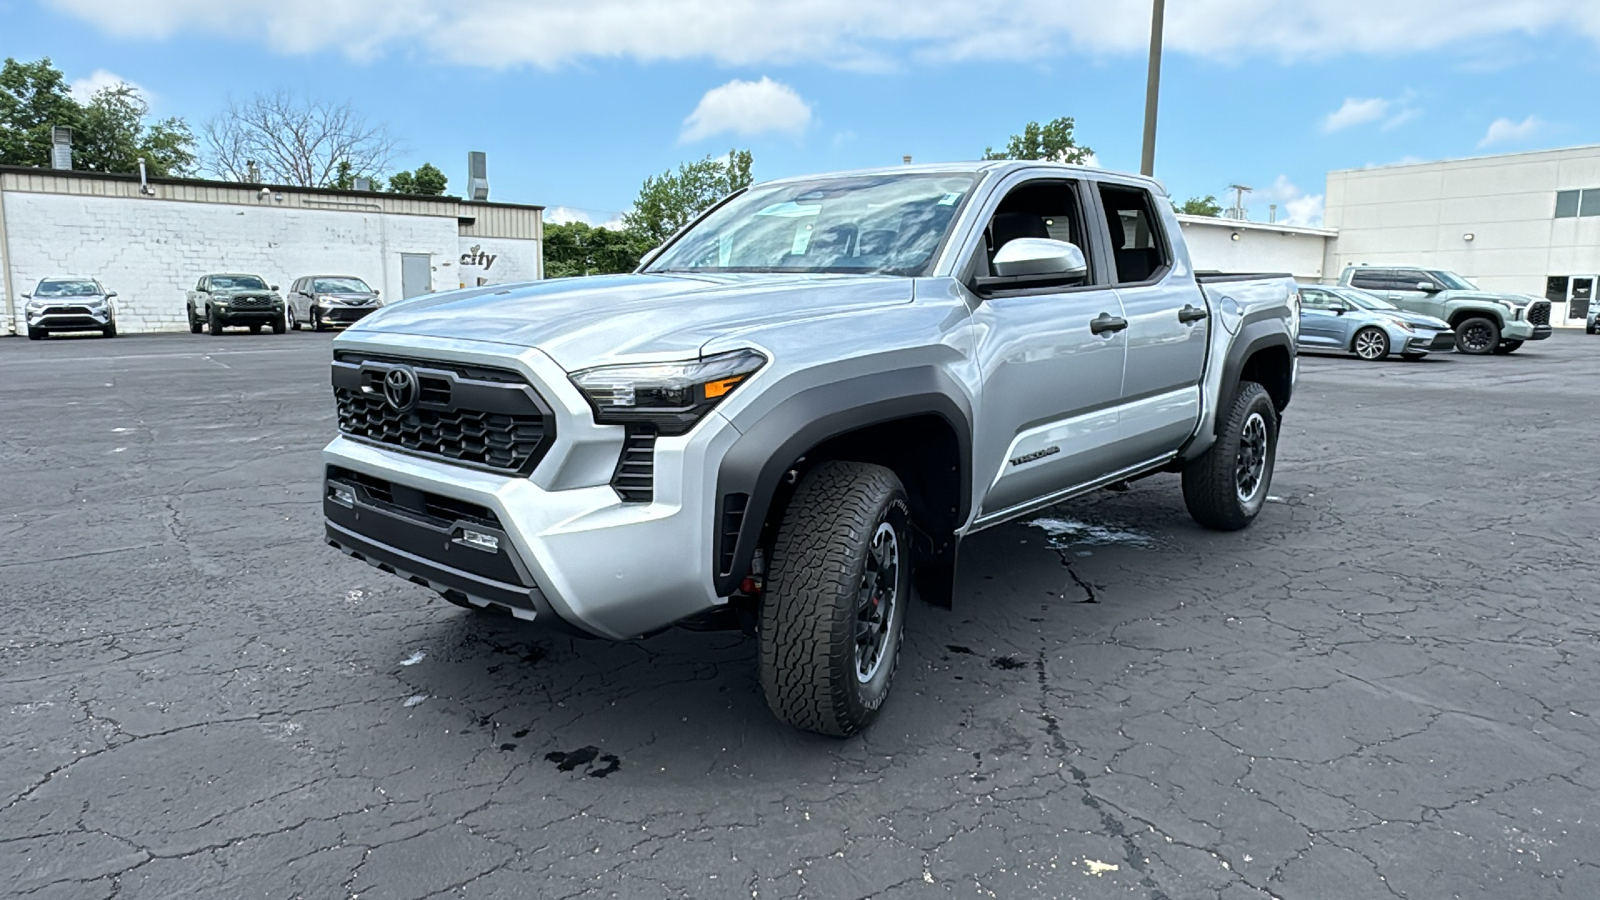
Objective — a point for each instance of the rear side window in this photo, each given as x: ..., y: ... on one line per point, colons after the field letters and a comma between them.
x: 1372, y: 279
x: 1137, y: 242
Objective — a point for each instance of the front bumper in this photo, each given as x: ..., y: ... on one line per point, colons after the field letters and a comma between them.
x: 69, y: 318
x: 573, y: 550
x: 1525, y: 331
x: 345, y: 315
x: 1423, y: 343
x: 231, y: 316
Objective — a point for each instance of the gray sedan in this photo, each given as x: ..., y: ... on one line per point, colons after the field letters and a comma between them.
x: 1347, y: 320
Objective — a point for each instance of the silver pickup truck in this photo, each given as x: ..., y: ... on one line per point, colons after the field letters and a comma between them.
x: 795, y: 410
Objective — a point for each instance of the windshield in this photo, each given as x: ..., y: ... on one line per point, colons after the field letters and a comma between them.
x: 1364, y: 300
x: 67, y: 289
x: 1453, y: 281
x: 340, y: 286
x: 862, y: 224
x: 237, y: 283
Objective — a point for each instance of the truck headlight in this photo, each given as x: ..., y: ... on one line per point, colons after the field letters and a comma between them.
x: 673, y: 396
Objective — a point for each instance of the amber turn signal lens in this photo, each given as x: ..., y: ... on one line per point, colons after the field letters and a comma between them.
x: 715, y: 389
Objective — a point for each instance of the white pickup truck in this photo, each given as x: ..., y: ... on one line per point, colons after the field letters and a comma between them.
x: 797, y: 408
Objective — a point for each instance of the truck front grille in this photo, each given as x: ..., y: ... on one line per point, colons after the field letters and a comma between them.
x: 484, y: 418
x: 1539, y: 313
x: 251, y: 303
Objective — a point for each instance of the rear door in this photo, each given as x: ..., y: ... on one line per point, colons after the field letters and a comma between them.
x: 1168, y: 323
x: 1320, y: 327
x: 1052, y: 357
x: 1374, y: 281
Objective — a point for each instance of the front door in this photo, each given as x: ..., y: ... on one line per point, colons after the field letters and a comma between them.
x: 416, y: 274
x: 1320, y: 327
x: 1052, y: 358
x: 1406, y: 294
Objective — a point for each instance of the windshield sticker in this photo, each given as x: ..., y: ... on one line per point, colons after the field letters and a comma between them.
x: 950, y: 199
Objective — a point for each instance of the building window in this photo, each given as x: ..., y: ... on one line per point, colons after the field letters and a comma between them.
x: 1590, y: 204
x: 1566, y: 204
x: 1570, y: 204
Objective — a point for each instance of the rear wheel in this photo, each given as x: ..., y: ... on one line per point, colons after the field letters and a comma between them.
x: 1477, y: 336
x: 194, y: 323
x: 213, y: 321
x: 1371, y: 344
x: 1505, y: 347
x: 1225, y: 487
x: 834, y: 607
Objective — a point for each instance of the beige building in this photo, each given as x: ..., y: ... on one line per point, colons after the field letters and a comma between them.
x: 1526, y: 223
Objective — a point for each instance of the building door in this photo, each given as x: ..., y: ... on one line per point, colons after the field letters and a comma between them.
x: 416, y: 274
x: 1582, y: 296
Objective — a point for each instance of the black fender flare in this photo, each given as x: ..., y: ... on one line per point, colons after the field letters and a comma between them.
x: 1254, y: 336
x: 750, y: 474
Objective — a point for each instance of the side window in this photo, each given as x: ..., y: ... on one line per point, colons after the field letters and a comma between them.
x: 1407, y: 279
x: 201, y: 284
x: 1137, y: 244
x: 1036, y: 209
x: 1310, y: 298
x: 1371, y: 279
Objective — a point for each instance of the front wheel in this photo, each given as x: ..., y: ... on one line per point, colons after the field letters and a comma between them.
x: 294, y: 323
x: 110, y: 330
x: 36, y: 334
x: 1504, y: 347
x: 316, y: 319
x: 1477, y: 336
x: 213, y: 321
x: 834, y: 607
x: 1371, y: 344
x: 1225, y: 487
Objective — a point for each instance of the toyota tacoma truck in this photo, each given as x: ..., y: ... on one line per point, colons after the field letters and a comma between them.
x: 793, y: 412
x: 1484, y: 321
x: 219, y: 301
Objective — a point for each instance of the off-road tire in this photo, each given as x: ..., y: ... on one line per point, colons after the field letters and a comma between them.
x: 1485, y: 344
x: 808, y: 624
x: 213, y: 321
x: 280, y: 325
x: 1504, y: 347
x: 195, y: 324
x: 1211, y: 481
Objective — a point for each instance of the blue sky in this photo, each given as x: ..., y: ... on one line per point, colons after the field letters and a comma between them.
x: 576, y: 103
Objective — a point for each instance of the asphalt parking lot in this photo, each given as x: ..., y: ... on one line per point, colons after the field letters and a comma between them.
x: 1386, y: 688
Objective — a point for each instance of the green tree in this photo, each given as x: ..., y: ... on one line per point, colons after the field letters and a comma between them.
x: 109, y: 133
x: 111, y: 136
x: 577, y: 248
x: 1200, y: 206
x: 668, y: 201
x: 1052, y: 141
x: 426, y: 181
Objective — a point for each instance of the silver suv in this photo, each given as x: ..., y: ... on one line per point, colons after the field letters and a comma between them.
x: 70, y: 304
x: 798, y: 408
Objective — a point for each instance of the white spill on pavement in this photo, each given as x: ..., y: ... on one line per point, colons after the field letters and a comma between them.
x: 414, y: 699
x: 1073, y: 533
x: 414, y: 658
x: 1097, y: 868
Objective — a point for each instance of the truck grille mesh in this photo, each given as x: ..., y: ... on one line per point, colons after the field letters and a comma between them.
x: 1539, y: 313
x: 496, y: 440
x: 251, y: 303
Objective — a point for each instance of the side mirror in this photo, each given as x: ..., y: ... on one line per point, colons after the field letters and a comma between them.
x: 1338, y: 310
x: 1427, y: 287
x: 375, y: 292
x: 1030, y: 262
x: 272, y: 287
x: 110, y: 294
x: 27, y: 296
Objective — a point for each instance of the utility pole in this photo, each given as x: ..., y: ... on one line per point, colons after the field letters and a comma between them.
x: 1152, y: 88
x: 1239, y: 190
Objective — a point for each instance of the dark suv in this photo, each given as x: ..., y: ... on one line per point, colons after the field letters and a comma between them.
x: 1484, y: 321
x: 219, y: 301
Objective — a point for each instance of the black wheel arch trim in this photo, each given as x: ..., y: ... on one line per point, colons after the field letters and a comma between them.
x: 1255, y: 335
x: 767, y: 449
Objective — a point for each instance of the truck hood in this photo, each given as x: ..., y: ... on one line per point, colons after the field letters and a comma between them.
x: 1491, y: 297
x: 582, y: 322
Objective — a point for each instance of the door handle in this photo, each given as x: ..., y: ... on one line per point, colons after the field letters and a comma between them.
x: 1106, y: 323
x: 1192, y: 313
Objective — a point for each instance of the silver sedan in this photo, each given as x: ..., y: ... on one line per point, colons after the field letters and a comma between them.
x: 1347, y: 320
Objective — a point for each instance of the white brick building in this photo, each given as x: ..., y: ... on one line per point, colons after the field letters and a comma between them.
x: 150, y: 247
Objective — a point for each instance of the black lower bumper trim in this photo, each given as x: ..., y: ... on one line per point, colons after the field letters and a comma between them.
x: 1540, y: 332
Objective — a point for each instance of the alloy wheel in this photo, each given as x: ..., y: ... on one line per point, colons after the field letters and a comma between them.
x: 1371, y: 345
x: 877, y: 602
x: 1477, y: 337
x: 1251, y: 464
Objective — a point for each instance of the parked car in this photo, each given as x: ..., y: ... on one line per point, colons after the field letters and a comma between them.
x: 1484, y: 321
x: 317, y: 301
x: 223, y: 300
x: 63, y: 303
x: 1345, y: 320
x: 800, y: 403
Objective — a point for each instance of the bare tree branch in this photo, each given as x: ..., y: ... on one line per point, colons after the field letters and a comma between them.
x: 294, y: 140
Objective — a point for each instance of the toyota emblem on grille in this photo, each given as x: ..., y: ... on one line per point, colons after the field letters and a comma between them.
x: 400, y: 389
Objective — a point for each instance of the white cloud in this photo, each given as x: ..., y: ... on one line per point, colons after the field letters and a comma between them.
x: 1503, y: 131
x: 842, y: 33
x: 1361, y: 110
x: 747, y: 108
x: 562, y: 215
x: 1295, y: 207
x: 84, y: 89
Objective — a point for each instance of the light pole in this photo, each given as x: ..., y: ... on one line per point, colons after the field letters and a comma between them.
x: 1152, y: 89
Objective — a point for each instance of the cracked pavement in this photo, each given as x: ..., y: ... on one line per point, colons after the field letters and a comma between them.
x: 1385, y: 688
